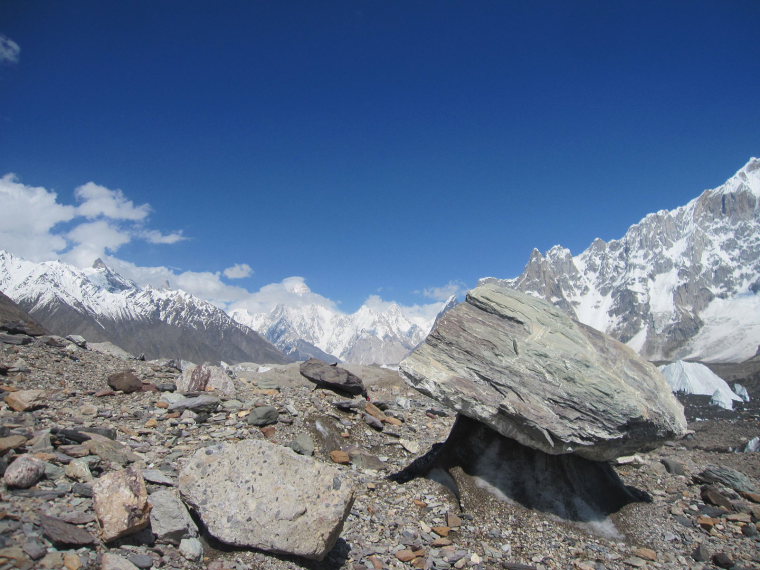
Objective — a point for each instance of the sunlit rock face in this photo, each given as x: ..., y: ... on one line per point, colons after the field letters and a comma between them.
x: 524, y: 368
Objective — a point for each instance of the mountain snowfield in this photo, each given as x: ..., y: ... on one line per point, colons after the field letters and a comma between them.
x: 681, y: 284
x: 371, y: 335
x: 101, y: 305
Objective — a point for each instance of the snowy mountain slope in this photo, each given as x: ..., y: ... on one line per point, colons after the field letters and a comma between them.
x: 371, y: 335
x: 680, y: 284
x: 101, y: 305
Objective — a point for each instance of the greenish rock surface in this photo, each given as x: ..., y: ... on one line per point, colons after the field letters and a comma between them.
x: 529, y: 371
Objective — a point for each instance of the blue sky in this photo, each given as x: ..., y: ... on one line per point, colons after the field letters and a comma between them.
x: 368, y: 147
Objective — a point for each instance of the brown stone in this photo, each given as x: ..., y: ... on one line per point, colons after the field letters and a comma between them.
x: 405, y: 555
x: 162, y: 404
x: 340, y: 456
x: 441, y: 541
x: 63, y: 534
x: 453, y: 520
x: 375, y: 412
x: 25, y: 400
x: 71, y: 561
x: 121, y: 503
x: 707, y: 522
x: 377, y: 564
x: 739, y: 517
x: 421, y: 504
x: 151, y: 423
x: 441, y: 530
x: 392, y: 421
x: 74, y: 450
x: 754, y: 497
x: 11, y: 442
x: 104, y: 392
x: 268, y: 432
x: 713, y: 496
x: 645, y: 553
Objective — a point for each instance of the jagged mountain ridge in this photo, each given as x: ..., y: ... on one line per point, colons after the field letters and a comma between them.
x: 681, y: 284
x: 102, y: 305
x: 368, y: 336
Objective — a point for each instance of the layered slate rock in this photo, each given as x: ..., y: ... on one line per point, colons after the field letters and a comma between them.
x: 332, y: 377
x: 256, y: 494
x: 531, y: 373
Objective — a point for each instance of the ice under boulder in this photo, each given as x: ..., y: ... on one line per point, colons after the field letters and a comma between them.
x: 695, y: 378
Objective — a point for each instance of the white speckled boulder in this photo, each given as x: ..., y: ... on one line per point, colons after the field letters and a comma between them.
x: 257, y: 494
x: 530, y: 372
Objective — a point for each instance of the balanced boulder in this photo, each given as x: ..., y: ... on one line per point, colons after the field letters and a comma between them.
x: 257, y: 494
x: 533, y: 374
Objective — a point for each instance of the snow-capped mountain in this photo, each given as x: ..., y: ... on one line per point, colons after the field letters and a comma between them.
x: 371, y: 335
x: 101, y: 305
x: 681, y: 284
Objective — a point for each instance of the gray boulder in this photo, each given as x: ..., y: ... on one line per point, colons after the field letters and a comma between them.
x: 332, y: 377
x: 257, y: 494
x: 527, y: 370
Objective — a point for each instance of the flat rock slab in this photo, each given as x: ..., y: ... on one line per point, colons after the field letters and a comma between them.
x: 527, y: 370
x: 332, y: 377
x: 257, y: 494
x: 63, y: 534
x: 25, y: 400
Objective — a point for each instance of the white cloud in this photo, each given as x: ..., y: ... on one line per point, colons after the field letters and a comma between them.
x: 238, y: 271
x: 154, y: 236
x: 27, y: 218
x: 98, y: 201
x: 291, y: 291
x: 9, y: 50
x: 444, y: 292
x: 420, y: 314
x: 30, y: 217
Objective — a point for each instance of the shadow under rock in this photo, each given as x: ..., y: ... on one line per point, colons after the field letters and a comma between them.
x: 568, y: 486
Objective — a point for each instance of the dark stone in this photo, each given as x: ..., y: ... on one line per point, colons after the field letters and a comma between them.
x: 202, y: 403
x: 15, y: 339
x: 332, y: 377
x: 349, y: 405
x: 167, y: 387
x: 713, y: 496
x: 750, y: 530
x: 72, y: 436
x: 34, y: 549
x: 125, y: 381
x: 82, y: 490
x: 731, y: 478
x: 672, y: 466
x: 373, y: 422
x: 701, y: 553
x: 722, y: 560
x: 263, y: 416
x: 63, y: 534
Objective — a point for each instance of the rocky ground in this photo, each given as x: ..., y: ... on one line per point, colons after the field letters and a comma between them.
x: 418, y: 524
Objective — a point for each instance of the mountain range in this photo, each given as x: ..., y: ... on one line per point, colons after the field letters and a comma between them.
x: 102, y: 305
x: 680, y: 284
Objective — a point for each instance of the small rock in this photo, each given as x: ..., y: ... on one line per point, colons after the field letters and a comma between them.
x: 142, y: 561
x: 63, y: 534
x: 672, y: 466
x: 302, y: 444
x: 203, y: 403
x: 125, y: 381
x: 340, y: 456
x: 34, y: 549
x: 722, y: 560
x: 77, y: 340
x: 24, y: 472
x: 191, y: 549
x: 263, y: 416
x: 701, y: 553
x: 25, y: 400
x: 51, y: 561
x: 11, y: 442
x: 712, y: 496
x: 157, y: 477
x: 645, y: 553
x: 169, y: 519
x: 79, y: 470
x: 115, y: 562
x: 71, y: 561
x: 206, y: 377
x: 121, y: 503
x: 373, y: 422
